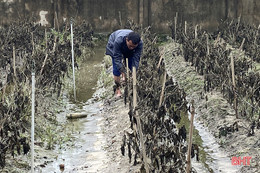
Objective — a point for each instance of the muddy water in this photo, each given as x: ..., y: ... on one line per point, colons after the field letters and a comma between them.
x: 83, y: 152
x: 87, y: 75
x: 212, y: 159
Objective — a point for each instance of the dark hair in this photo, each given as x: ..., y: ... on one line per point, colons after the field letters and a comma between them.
x: 135, y: 37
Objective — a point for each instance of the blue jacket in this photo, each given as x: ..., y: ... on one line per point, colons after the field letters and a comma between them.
x: 116, y: 47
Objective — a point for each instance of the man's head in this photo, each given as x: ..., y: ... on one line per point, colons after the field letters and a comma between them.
x: 132, y: 40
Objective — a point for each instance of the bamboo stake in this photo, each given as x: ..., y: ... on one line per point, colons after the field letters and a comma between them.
x: 14, y: 66
x: 120, y: 19
x: 239, y: 18
x: 72, y: 53
x: 56, y: 18
x: 55, y: 43
x: 139, y: 121
x: 257, y: 32
x: 3, y: 93
x: 32, y: 44
x: 175, y: 26
x: 241, y: 47
x: 134, y: 88
x: 207, y: 44
x: 32, y: 126
x: 185, y: 27
x: 46, y: 55
x: 217, y: 40
x: 163, y: 87
x: 190, y: 137
x: 127, y: 78
x: 196, y: 31
x: 161, y: 57
x: 46, y: 41
x: 43, y: 64
x: 234, y: 84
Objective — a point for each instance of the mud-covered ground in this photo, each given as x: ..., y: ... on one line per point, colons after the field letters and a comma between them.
x: 115, y: 124
x: 215, y: 112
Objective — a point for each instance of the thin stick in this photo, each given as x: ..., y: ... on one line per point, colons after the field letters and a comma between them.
x: 161, y: 57
x: 127, y: 78
x: 196, y: 32
x: 32, y: 44
x: 234, y: 84
x: 217, y: 40
x: 238, y: 22
x: 43, y: 64
x: 46, y: 55
x: 56, y: 17
x: 185, y: 28
x: 120, y: 19
x: 3, y: 93
x: 14, y: 66
x: 190, y: 137
x: 55, y: 42
x: 175, y: 26
x: 257, y: 32
x: 72, y: 53
x: 207, y: 44
x: 163, y: 87
x: 32, y: 126
x: 241, y: 47
x: 139, y: 121
x: 46, y: 41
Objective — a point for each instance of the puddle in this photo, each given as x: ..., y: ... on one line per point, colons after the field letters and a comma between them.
x: 85, y: 154
x: 87, y: 76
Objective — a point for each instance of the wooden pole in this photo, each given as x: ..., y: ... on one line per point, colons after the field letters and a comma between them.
x: 185, y: 27
x: 46, y: 49
x: 163, y: 87
x: 120, y: 19
x: 207, y: 44
x: 46, y: 41
x: 127, y: 78
x: 14, y: 66
x: 190, y: 137
x: 44, y: 62
x: 234, y: 84
x: 32, y: 44
x: 257, y: 32
x: 32, y: 125
x: 72, y: 55
x: 134, y: 88
x: 239, y: 18
x: 175, y: 26
x: 161, y: 57
x: 3, y: 93
x: 57, y: 21
x: 241, y: 47
x: 196, y: 31
x: 217, y: 40
x: 139, y: 121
